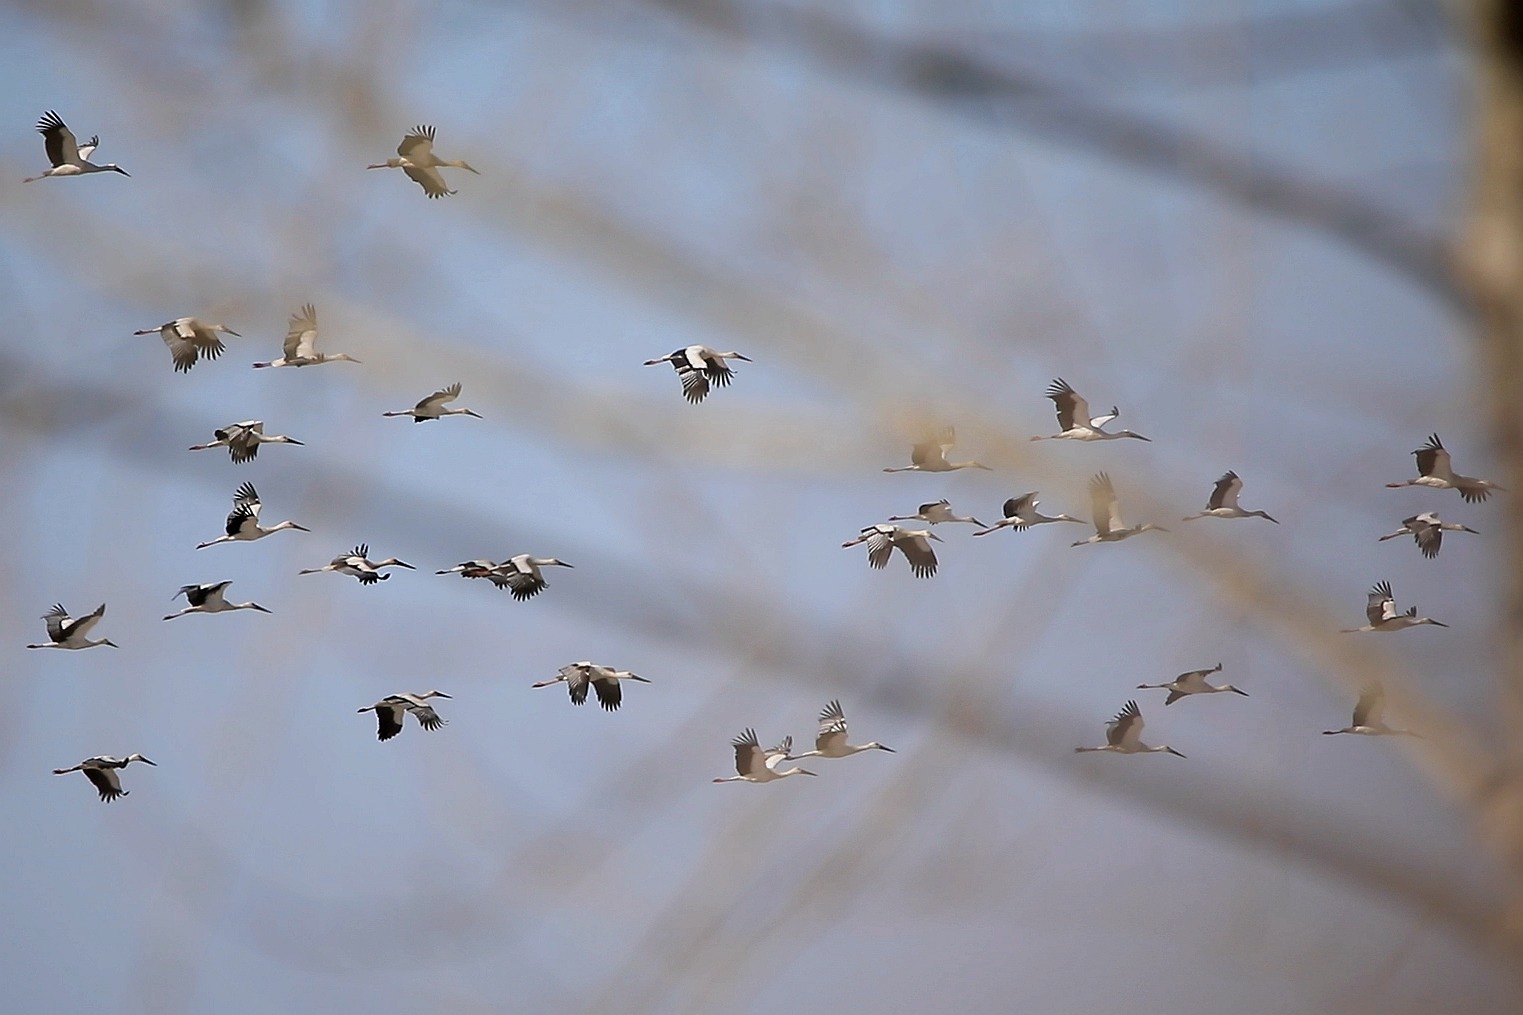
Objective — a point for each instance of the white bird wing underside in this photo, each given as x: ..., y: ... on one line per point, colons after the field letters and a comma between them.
x: 1381, y: 606
x: 1226, y: 491
x: 429, y: 179
x: 917, y: 550
x: 1126, y: 729
x: 880, y: 547
x: 301, y: 337
x: 418, y: 146
x: 1103, y: 502
x: 435, y: 401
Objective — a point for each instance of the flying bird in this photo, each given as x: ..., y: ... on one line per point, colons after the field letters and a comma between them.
x: 242, y: 440
x: 1109, y: 528
x: 935, y: 512
x: 208, y: 598
x: 882, y: 539
x: 604, y: 680
x: 1193, y: 682
x: 66, y: 632
x: 416, y: 158
x: 1021, y: 513
x: 1123, y: 735
x: 1074, y: 421
x: 1427, y: 529
x: 521, y: 575
x: 697, y: 367
x: 243, y: 521
x: 930, y: 455
x: 1433, y: 470
x: 1369, y: 717
x: 68, y: 156
x: 300, y: 348
x: 1223, y: 502
x: 830, y: 742
x: 102, y: 773
x: 432, y: 407
x: 189, y: 339
x: 356, y: 564
x: 391, y: 710
x: 757, y: 765
x: 1381, y: 610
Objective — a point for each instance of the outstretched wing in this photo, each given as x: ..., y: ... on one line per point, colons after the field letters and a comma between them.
x: 301, y: 336
x: 1224, y: 494
x: 1126, y: 728
x: 418, y: 146
x: 1072, y: 409
x: 748, y: 753
x: 58, y: 139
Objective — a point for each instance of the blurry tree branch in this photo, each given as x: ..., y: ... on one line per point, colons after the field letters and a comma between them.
x: 1493, y: 266
x: 970, y: 86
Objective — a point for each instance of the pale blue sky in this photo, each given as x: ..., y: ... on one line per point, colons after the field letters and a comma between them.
x: 646, y: 185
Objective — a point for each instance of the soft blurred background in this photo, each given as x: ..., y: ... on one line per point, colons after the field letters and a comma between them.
x: 1283, y: 236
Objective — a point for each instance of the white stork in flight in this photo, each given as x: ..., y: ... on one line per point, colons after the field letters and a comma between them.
x: 66, y: 632
x: 697, y: 367
x: 242, y: 440
x: 102, y: 773
x: 390, y: 711
x: 1193, y: 682
x: 68, y: 156
x: 357, y: 564
x: 300, y: 348
x: 208, y: 597
x: 830, y: 742
x: 432, y: 407
x: 416, y: 158
x: 1433, y: 470
x: 243, y: 521
x: 1109, y: 528
x: 604, y: 680
x: 936, y: 512
x: 1369, y: 717
x: 757, y: 765
x: 1074, y: 420
x: 930, y: 455
x: 882, y: 539
x: 1021, y: 513
x: 1223, y: 502
x: 1428, y: 530
x: 1123, y: 735
x: 189, y: 339
x: 1381, y: 611
x: 522, y: 576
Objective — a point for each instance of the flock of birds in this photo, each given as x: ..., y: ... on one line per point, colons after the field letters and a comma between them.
x: 700, y: 369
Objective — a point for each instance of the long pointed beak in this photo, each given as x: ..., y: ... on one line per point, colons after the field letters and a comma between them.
x: 230, y: 331
x: 119, y: 169
x: 145, y: 761
x: 850, y: 542
x: 261, y: 609
x: 147, y: 331
x: 113, y: 644
x: 932, y: 535
x: 805, y: 771
x: 406, y: 565
x: 636, y: 676
x: 471, y: 168
x: 1238, y: 690
x: 1175, y: 753
x: 888, y: 749
x: 472, y: 412
x: 441, y: 694
x: 293, y: 440
x: 546, y: 683
x: 562, y: 563
x: 649, y: 362
x: 300, y: 528
x: 1438, y: 623
x: 748, y: 359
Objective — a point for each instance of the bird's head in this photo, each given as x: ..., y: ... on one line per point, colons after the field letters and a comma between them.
x: 139, y: 757
x: 116, y: 168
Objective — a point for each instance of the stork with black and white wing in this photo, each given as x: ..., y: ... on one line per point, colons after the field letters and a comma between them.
x: 1223, y: 501
x: 243, y: 521
x: 1074, y: 421
x: 70, y: 633
x: 757, y: 765
x: 210, y: 597
x: 1021, y: 513
x: 1123, y: 735
x: 603, y: 680
x: 698, y: 367
x: 189, y: 340
x: 242, y: 440
x: 392, y: 709
x: 67, y: 155
x: 102, y: 771
x: 882, y: 539
x: 416, y: 158
x: 830, y: 742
